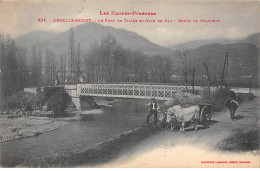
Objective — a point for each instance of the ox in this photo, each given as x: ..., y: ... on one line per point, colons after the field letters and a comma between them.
x: 170, y: 118
x: 182, y: 115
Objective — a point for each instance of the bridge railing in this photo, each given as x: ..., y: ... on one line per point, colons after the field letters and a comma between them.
x: 143, y: 91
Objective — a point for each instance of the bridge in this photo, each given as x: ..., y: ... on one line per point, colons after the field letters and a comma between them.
x: 140, y: 91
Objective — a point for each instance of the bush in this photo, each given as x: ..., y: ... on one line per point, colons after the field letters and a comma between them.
x: 246, y: 97
x: 58, y: 102
x: 217, y: 98
x: 242, y: 140
x: 221, y: 94
x: 21, y: 100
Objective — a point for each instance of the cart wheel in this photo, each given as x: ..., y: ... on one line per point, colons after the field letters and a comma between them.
x: 206, y: 119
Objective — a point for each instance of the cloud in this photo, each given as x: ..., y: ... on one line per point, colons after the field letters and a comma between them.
x: 161, y: 30
x: 234, y: 32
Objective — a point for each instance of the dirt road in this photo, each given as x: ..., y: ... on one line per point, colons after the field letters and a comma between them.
x: 194, y: 149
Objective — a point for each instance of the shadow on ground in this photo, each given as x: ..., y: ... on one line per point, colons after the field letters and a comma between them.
x: 238, y: 117
x: 190, y: 127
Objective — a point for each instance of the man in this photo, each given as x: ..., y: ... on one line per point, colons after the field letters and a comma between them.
x: 154, y: 107
x: 232, y: 103
x: 232, y: 95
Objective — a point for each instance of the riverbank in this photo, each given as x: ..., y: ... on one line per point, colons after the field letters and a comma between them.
x: 27, y: 126
x: 21, y: 116
x: 97, y: 153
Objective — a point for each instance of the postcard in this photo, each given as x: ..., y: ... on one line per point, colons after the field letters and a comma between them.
x: 129, y: 84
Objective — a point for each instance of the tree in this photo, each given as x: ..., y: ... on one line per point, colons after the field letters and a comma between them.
x: 63, y: 68
x: 93, y: 64
x: 119, y: 55
x: 183, y: 65
x: 50, y: 65
x: 153, y: 69
x: 107, y: 46
x: 9, y: 65
x: 78, y: 61
x: 138, y: 65
x: 123, y: 62
x: 39, y: 67
x: 192, y: 70
x: 110, y: 62
x: 21, y: 54
x: 34, y: 67
x: 72, y: 53
x: 13, y: 64
x: 205, y: 61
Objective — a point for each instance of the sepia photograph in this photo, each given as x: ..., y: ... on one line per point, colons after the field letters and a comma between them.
x: 129, y: 84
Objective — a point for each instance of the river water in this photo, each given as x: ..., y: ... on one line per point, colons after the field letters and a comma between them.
x: 75, y: 137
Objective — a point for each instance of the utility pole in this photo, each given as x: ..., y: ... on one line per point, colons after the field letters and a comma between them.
x: 227, y: 71
x: 223, y: 72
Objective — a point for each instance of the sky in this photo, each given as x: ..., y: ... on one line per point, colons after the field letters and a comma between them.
x: 238, y: 19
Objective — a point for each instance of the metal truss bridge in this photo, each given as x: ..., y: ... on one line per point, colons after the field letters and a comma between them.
x: 141, y: 91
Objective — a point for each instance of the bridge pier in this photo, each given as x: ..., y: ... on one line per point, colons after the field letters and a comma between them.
x: 76, y: 101
x: 90, y: 100
x: 71, y: 89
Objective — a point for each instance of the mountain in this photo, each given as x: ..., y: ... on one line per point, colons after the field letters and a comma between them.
x: 87, y: 34
x: 37, y: 38
x: 243, y: 53
x: 198, y: 43
x: 243, y: 59
x: 253, y: 39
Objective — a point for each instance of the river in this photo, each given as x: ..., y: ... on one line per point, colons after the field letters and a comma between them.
x: 72, y: 138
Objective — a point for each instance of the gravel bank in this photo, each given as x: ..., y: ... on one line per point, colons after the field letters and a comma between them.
x: 22, y: 127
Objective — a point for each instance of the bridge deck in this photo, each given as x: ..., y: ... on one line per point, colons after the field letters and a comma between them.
x: 142, y: 91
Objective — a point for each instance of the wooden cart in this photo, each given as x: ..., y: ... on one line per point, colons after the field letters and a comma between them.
x: 205, y: 114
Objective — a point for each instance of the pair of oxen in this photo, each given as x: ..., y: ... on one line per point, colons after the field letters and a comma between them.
x: 177, y: 116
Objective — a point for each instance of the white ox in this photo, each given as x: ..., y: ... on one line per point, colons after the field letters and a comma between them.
x: 182, y: 115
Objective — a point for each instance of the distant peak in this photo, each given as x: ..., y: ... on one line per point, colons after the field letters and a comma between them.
x: 92, y: 24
